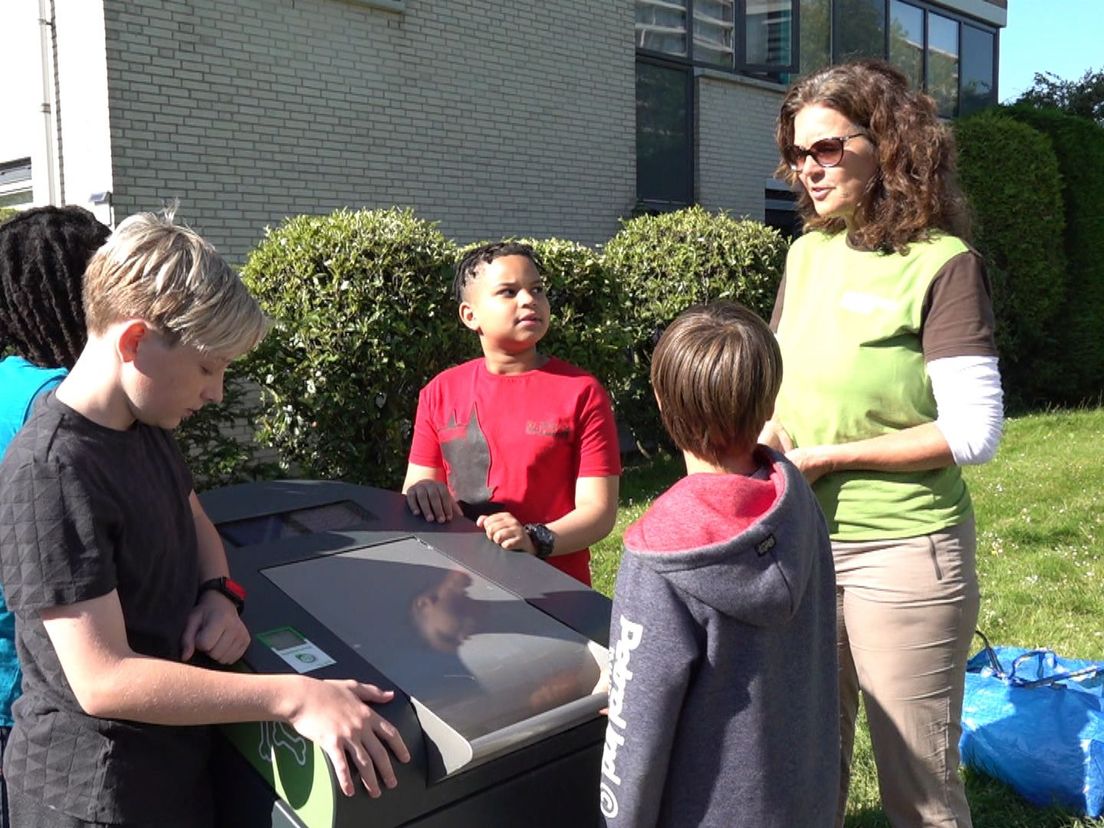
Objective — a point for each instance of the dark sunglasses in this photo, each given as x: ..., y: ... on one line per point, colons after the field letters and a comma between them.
x: 827, y: 152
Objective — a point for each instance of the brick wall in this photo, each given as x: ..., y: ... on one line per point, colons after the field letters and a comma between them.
x: 735, y: 143
x: 493, y: 118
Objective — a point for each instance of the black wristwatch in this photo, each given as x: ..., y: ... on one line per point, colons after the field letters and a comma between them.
x: 542, y: 537
x: 228, y: 587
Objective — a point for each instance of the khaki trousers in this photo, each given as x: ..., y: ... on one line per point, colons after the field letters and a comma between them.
x: 906, y: 611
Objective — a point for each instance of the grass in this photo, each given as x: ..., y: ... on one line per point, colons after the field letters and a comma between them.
x: 1040, y: 564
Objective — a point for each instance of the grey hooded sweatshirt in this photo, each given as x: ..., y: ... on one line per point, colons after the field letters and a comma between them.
x: 724, y: 702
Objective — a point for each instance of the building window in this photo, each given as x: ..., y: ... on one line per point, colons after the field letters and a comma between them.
x: 715, y: 33
x: 661, y: 26
x: 768, y: 35
x: 950, y: 56
x: 780, y: 209
x: 815, y: 39
x: 942, y: 78
x: 755, y: 37
x: 16, y: 188
x: 664, y: 158
x: 752, y: 37
x: 906, y: 40
x: 978, y: 60
x: 858, y: 29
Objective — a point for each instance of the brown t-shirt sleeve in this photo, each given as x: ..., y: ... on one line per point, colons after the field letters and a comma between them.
x: 776, y: 314
x: 957, y: 316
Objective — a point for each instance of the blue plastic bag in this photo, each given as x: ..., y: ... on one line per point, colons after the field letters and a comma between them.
x: 1035, y: 721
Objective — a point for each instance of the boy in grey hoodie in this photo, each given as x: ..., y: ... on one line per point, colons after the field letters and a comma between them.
x: 723, y: 706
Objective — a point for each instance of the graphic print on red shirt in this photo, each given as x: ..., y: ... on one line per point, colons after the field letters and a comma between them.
x: 518, y: 442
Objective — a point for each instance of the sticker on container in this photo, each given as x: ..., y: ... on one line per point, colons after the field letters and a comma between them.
x: 296, y: 650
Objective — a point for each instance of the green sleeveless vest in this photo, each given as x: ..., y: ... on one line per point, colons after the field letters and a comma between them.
x: 854, y: 369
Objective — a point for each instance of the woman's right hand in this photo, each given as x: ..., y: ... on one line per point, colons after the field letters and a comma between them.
x: 776, y: 437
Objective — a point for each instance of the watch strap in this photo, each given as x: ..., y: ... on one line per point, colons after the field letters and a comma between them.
x: 228, y: 587
x: 542, y: 538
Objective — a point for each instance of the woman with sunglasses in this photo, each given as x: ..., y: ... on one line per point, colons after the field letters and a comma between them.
x: 891, y: 384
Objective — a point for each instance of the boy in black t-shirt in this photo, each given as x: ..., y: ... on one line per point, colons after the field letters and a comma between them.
x: 117, y: 576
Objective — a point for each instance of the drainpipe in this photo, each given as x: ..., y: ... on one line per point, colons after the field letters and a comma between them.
x: 48, y: 62
x: 57, y: 102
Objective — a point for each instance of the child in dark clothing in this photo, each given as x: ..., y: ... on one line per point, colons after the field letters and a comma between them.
x: 117, y: 576
x: 43, y: 253
x: 723, y: 689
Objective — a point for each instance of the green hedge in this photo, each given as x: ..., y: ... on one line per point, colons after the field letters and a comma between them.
x: 1079, y: 347
x: 671, y: 261
x: 7, y: 213
x: 1010, y: 175
x: 363, y: 320
x: 216, y: 457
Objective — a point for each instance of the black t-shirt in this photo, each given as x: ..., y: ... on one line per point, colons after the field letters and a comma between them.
x: 84, y: 510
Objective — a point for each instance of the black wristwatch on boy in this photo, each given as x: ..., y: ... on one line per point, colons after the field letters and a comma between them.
x: 542, y: 537
x: 228, y: 587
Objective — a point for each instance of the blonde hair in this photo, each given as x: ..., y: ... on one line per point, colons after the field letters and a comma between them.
x: 716, y: 372
x: 167, y: 275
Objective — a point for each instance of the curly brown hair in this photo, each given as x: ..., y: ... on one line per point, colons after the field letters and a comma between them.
x: 915, y: 190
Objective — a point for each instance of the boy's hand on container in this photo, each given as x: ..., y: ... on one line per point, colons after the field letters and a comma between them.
x: 507, y: 531
x: 433, y: 500
x: 215, y: 628
x: 336, y: 716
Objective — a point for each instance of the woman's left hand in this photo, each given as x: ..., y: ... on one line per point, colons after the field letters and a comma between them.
x: 812, y: 461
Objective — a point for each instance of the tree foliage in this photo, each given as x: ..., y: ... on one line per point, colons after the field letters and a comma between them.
x: 1079, y: 341
x: 1018, y: 229
x: 671, y: 261
x: 363, y: 320
x: 1084, y: 97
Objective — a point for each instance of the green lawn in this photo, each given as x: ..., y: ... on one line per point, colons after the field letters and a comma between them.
x: 1040, y: 561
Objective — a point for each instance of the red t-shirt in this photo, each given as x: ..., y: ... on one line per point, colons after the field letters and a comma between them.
x: 519, y: 441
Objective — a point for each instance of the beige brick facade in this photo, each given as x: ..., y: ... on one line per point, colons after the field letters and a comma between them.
x: 735, y: 148
x: 492, y: 118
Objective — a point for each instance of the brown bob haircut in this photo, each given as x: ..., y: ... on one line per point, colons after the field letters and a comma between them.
x: 716, y: 372
x: 915, y: 190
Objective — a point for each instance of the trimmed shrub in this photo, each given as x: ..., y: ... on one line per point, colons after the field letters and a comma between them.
x: 671, y: 261
x: 589, y: 307
x: 215, y: 457
x: 1010, y: 175
x: 1079, y: 346
x: 363, y: 320
x: 8, y: 213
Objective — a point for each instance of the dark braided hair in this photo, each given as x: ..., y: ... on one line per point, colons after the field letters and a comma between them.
x: 43, y: 254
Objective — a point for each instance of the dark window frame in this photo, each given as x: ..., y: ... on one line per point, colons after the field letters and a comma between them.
x: 740, y: 65
x: 994, y: 97
x: 654, y: 205
x: 962, y: 20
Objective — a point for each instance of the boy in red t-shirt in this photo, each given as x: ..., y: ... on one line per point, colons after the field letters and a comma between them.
x: 521, y: 442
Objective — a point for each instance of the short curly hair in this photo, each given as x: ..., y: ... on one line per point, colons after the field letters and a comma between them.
x: 43, y: 256
x: 915, y: 190
x: 474, y: 260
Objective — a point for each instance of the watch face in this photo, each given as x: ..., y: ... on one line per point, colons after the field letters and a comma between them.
x: 543, y: 539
